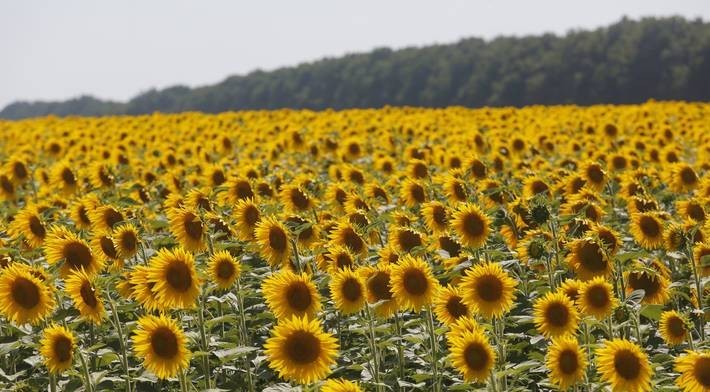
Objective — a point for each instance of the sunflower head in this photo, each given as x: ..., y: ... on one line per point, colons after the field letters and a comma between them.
x: 300, y: 351
x: 694, y: 369
x: 162, y: 345
x: 57, y: 348
x: 673, y: 327
x: 472, y: 355
x: 488, y: 290
x: 85, y: 296
x: 223, y: 269
x: 174, y: 279
x: 555, y: 315
x: 596, y: 298
x: 288, y: 294
x: 347, y: 290
x: 24, y: 298
x: 126, y: 240
x: 189, y: 229
x: 624, y: 365
x: 413, y: 283
x: 449, y: 306
x: 471, y: 225
x: 566, y: 361
x: 273, y: 239
x: 64, y: 246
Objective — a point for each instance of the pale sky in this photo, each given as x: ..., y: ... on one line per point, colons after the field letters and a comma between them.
x: 57, y: 49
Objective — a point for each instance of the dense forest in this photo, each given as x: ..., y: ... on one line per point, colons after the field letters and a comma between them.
x: 627, y: 62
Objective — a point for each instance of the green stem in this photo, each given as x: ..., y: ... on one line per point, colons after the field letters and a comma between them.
x: 85, y: 371
x: 400, y: 348
x: 699, y: 290
x: 183, y: 381
x: 432, y: 339
x: 203, y: 341
x: 244, y: 336
x: 52, y: 382
x: 373, y: 348
x: 122, y: 344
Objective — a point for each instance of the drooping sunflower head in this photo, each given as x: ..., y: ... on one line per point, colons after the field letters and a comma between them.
x: 347, y: 290
x: 80, y: 211
x: 624, y: 365
x: 412, y: 192
x: 188, y: 229
x: 436, y: 216
x: 405, y: 239
x: 300, y: 351
x: 449, y: 306
x: 571, y: 288
x: 24, y: 298
x: 247, y: 216
x: 588, y: 259
x: 273, y: 240
x: 647, y: 229
x: 305, y: 231
x: 126, y: 240
x: 378, y: 283
x: 533, y: 186
x: 471, y: 225
x: 29, y: 225
x: 596, y: 298
x: 288, y: 294
x: 413, y: 283
x: 295, y: 199
x: 176, y: 284
x: 57, y: 348
x: 655, y: 286
x: 694, y: 369
x: 198, y: 199
x: 64, y: 246
x: 85, y: 296
x: 340, y: 258
x: 344, y: 234
x: 105, y: 218
x: 162, y: 345
x: 472, y: 355
x: 673, y: 327
x: 566, y: 361
x: 701, y: 255
x: 488, y: 290
x: 100, y: 175
x: 223, y: 269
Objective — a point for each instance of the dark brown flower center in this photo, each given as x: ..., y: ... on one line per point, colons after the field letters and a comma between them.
x: 476, y: 356
x: 408, y: 240
x: 36, y: 227
x: 489, y: 288
x: 456, y: 307
x: 62, y: 348
x: 352, y: 240
x: 77, y: 255
x: 299, y: 296
x: 598, y: 297
x: 591, y: 257
x: 225, y: 269
x: 379, y: 285
x: 568, y: 362
x: 179, y: 276
x: 627, y: 364
x: 557, y: 314
x: 649, y: 226
x: 277, y: 239
x: 164, y: 343
x: 88, y: 295
x: 644, y: 281
x: 701, y: 371
x: 415, y: 282
x: 302, y: 347
x: 25, y: 293
x: 416, y: 191
x: 193, y: 226
x: 299, y: 199
x: 351, y: 290
x: 473, y: 224
x: 107, y: 247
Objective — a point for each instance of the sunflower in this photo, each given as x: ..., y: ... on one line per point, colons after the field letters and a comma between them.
x: 566, y: 361
x: 100, y: 175
x: 125, y: 240
x: 142, y: 289
x: 175, y: 281
x: 378, y: 282
x: 624, y: 365
x: 655, y: 286
x: 436, y: 216
x: 104, y: 249
x: 471, y: 225
x: 412, y: 193
x: 488, y: 290
x: 288, y: 294
x: 247, y: 215
x: 682, y: 178
x: 455, y: 189
x: 162, y: 345
x: 29, y: 225
x: 449, y: 306
x: 81, y: 210
x: 305, y: 231
x: 461, y: 325
x: 472, y: 355
x: 57, y: 348
x: 198, y: 200
x: 596, y: 298
x: 340, y: 385
x: 344, y: 234
x: 405, y: 239
x: 694, y: 369
x: 701, y: 255
x: 273, y: 240
x: 607, y: 238
x: 588, y: 259
x: 300, y: 351
x: 555, y: 315
x: 533, y: 186
x: 347, y: 290
x: 105, y: 218
x: 532, y: 248
x: 188, y: 228
x: 692, y: 209
x: 238, y: 189
x: 413, y: 283
x: 571, y: 288
x: 24, y: 298
x: 340, y: 258
x: 594, y: 175
x: 673, y: 327
x: 64, y: 245
x: 647, y: 230
x: 85, y: 296
x: 295, y: 199
x: 223, y: 269
x: 64, y: 179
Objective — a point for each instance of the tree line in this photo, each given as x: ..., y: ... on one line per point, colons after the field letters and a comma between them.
x: 626, y: 62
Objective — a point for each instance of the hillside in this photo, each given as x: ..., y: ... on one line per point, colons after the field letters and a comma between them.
x: 627, y: 62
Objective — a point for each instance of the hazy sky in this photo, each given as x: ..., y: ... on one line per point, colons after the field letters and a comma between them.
x: 115, y: 49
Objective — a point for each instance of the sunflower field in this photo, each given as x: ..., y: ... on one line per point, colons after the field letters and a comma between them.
x: 397, y: 249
